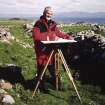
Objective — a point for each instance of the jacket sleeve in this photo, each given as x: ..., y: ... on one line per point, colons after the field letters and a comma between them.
x: 62, y: 34
x: 37, y: 35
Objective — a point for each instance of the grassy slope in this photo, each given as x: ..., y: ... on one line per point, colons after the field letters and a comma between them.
x: 24, y: 58
x: 75, y: 28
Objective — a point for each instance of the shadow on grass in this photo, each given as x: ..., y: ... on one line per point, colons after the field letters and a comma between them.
x: 12, y: 74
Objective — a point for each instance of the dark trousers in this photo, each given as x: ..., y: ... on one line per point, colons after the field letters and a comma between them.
x: 51, y: 70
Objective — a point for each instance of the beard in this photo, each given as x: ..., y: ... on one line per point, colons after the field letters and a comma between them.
x: 48, y: 18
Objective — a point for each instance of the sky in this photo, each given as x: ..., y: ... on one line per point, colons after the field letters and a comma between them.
x: 35, y: 7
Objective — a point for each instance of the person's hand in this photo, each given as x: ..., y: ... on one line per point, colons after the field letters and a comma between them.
x: 71, y: 38
x: 48, y: 38
x: 57, y: 38
x: 52, y: 36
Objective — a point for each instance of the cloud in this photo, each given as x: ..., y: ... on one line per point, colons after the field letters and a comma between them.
x: 93, y: 6
x: 7, y: 3
x: 34, y: 7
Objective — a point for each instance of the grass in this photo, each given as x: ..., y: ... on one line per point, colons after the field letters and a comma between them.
x: 74, y: 28
x: 102, y: 33
x: 6, y: 22
x: 25, y: 58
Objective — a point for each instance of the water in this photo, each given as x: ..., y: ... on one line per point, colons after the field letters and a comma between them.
x: 75, y: 20
x: 68, y: 20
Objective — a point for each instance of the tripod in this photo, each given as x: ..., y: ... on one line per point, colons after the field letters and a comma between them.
x: 58, y: 55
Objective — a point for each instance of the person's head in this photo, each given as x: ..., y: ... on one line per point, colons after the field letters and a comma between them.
x: 48, y: 12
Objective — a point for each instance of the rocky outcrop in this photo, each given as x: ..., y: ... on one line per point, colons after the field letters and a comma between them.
x: 98, y: 28
x: 5, y: 35
x: 28, y: 28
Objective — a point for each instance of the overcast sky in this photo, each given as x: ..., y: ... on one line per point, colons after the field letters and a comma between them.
x: 36, y: 6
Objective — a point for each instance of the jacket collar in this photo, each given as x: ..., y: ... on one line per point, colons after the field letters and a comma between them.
x: 45, y: 21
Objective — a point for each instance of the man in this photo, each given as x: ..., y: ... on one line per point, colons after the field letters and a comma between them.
x: 45, y: 29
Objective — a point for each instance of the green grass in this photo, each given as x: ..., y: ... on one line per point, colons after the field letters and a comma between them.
x: 75, y: 28
x: 25, y: 58
x: 102, y: 33
x: 13, y: 22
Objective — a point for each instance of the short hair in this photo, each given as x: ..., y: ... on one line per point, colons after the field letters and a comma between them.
x: 46, y: 9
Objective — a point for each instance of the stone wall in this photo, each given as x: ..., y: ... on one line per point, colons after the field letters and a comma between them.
x: 87, y: 57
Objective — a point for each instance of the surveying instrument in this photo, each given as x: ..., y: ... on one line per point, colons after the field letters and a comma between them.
x: 56, y: 50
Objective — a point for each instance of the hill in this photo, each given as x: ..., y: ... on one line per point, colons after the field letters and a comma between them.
x: 22, y: 74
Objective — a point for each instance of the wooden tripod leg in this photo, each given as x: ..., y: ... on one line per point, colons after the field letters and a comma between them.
x: 41, y: 76
x: 57, y: 70
x: 68, y: 72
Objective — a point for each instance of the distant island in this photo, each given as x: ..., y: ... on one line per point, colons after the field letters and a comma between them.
x: 66, y: 17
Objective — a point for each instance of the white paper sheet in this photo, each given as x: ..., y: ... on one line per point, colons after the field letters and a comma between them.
x: 60, y: 40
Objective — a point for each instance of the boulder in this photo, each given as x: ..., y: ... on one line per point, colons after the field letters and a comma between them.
x: 5, y: 85
x: 8, y: 99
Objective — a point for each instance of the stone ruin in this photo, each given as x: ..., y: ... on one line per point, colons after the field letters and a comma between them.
x: 83, y: 36
x: 87, y: 58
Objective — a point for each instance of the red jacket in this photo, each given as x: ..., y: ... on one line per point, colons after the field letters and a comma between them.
x: 41, y: 30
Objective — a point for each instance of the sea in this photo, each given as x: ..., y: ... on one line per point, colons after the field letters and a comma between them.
x: 68, y: 20
x: 77, y: 20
